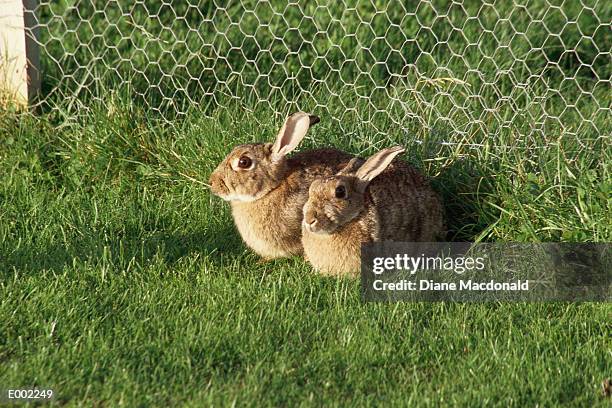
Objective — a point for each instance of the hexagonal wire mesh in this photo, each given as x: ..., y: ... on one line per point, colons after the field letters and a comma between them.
x: 531, y: 67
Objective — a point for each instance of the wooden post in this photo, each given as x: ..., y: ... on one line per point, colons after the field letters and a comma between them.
x: 19, y: 54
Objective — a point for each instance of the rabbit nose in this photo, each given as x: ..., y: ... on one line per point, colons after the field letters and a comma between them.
x: 216, y: 183
x: 311, y: 218
x: 213, y: 180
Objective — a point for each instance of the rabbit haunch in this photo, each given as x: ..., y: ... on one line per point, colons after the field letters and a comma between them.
x: 267, y: 190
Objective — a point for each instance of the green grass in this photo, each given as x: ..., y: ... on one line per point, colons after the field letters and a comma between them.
x: 124, y: 282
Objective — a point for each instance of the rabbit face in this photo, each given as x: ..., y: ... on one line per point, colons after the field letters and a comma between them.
x: 332, y: 202
x: 251, y: 171
x: 335, y: 201
x: 248, y: 173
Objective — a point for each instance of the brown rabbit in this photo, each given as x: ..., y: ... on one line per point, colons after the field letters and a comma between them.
x: 267, y: 190
x: 373, y: 201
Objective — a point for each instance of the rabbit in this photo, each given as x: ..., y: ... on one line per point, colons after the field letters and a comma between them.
x: 267, y: 190
x: 369, y: 201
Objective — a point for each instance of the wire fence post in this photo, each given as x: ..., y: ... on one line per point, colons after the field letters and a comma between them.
x: 19, y: 54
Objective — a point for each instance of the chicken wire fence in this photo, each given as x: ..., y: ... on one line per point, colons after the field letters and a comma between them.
x: 534, y: 68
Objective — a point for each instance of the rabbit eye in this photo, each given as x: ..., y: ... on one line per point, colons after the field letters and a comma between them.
x: 340, y: 192
x: 244, y: 162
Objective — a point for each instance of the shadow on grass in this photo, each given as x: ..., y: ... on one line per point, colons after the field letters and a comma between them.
x: 463, y: 188
x: 122, y: 248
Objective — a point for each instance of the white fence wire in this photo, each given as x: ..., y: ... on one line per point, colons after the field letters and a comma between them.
x: 535, y: 68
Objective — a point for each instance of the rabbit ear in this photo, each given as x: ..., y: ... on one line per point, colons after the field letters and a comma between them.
x: 292, y: 133
x: 377, y: 163
x: 351, y: 166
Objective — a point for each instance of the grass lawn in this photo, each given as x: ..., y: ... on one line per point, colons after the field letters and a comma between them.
x: 124, y: 282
